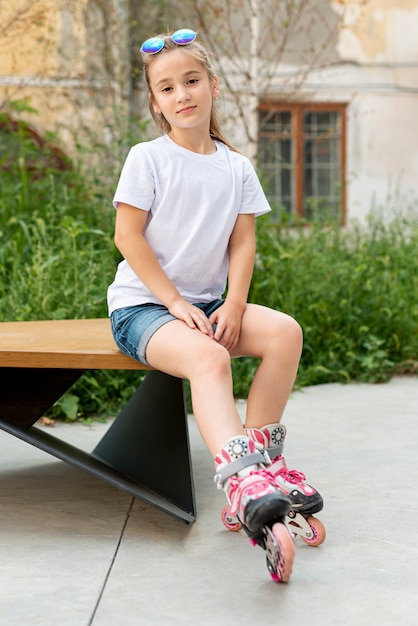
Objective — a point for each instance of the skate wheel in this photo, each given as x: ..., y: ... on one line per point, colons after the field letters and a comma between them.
x: 318, y: 532
x: 230, y: 522
x: 280, y: 553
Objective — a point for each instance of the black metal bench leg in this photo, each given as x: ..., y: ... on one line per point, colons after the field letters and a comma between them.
x: 149, y: 441
x: 27, y: 393
x: 145, y: 452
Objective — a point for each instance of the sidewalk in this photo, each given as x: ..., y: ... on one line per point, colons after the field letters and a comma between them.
x: 76, y: 552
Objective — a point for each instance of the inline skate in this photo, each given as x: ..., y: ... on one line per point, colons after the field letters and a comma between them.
x: 305, y: 500
x: 256, y: 503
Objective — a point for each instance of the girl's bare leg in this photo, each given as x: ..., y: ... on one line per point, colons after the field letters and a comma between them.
x: 186, y: 353
x: 258, y: 503
x: 276, y: 338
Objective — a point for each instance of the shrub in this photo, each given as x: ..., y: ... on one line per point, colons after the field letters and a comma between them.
x: 354, y: 291
x: 57, y: 255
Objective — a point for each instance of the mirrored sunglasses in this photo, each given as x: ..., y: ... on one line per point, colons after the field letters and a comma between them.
x: 180, y: 37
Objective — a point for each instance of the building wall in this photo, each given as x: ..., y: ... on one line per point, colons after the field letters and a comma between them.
x: 371, y: 65
x: 362, y: 53
x: 378, y: 76
x: 66, y: 59
x: 70, y: 58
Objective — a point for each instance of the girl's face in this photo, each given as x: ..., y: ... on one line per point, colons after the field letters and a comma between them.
x: 181, y: 90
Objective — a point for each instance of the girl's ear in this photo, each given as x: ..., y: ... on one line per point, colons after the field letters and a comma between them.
x: 154, y: 104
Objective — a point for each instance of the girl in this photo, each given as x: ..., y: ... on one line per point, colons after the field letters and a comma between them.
x: 186, y: 205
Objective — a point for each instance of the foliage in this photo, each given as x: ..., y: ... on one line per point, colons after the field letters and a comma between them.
x: 354, y: 291
x: 57, y: 255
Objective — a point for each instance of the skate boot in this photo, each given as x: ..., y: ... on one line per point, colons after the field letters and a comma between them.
x: 305, y: 499
x: 256, y: 502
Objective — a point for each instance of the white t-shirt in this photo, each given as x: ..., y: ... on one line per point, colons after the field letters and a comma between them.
x: 193, y: 202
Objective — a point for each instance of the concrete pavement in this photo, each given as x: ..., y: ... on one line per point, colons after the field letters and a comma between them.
x: 76, y: 552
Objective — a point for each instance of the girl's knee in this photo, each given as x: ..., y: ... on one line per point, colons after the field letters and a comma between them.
x: 295, y: 328
x: 289, y: 331
x: 215, y: 360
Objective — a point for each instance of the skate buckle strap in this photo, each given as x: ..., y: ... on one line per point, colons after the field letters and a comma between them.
x: 275, y: 451
x: 232, y: 468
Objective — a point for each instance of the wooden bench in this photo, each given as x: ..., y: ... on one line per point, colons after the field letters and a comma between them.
x: 146, y: 450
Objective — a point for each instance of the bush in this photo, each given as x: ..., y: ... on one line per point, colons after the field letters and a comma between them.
x: 354, y: 291
x: 57, y: 255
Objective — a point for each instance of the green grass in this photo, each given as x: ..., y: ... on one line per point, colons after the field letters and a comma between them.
x: 354, y: 291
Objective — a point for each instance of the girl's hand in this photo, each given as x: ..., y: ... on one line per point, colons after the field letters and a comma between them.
x: 228, y: 325
x: 192, y: 316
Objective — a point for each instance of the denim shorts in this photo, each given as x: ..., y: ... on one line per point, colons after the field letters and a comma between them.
x: 133, y: 326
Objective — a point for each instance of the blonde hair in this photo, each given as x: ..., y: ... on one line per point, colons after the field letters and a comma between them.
x: 198, y: 52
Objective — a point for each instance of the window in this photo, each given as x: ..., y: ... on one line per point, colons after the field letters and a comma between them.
x: 301, y: 158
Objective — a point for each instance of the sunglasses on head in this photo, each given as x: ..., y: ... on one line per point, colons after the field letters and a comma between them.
x: 180, y: 37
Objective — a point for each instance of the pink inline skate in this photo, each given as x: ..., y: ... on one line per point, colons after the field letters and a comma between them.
x: 256, y: 503
x: 305, y: 500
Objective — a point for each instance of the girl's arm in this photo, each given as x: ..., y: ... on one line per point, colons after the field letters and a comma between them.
x: 242, y: 247
x: 130, y: 241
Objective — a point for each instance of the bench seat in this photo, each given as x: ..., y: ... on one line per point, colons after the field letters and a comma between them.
x: 63, y: 344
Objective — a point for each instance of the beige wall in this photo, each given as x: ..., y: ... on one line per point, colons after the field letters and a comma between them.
x: 372, y: 66
x: 378, y: 77
x: 70, y: 58
x: 62, y: 56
